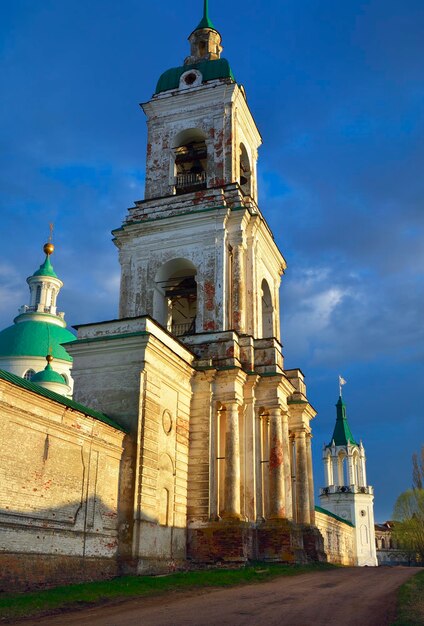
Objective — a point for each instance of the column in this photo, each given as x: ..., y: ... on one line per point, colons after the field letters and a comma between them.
x: 335, y: 461
x: 351, y: 470
x: 302, y: 486
x: 232, y: 462
x: 364, y: 471
x: 293, y: 473
x: 310, y: 477
x: 287, y: 451
x: 238, y: 288
x: 328, y: 471
x: 276, y: 466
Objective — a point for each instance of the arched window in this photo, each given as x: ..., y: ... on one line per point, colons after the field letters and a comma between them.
x: 28, y: 374
x: 38, y: 295
x: 383, y: 544
x: 175, y: 299
x: 190, y: 155
x: 65, y: 378
x: 245, y: 173
x: 356, y: 470
x: 267, y: 311
x: 342, y: 466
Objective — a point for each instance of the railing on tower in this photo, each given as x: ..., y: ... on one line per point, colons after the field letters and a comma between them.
x: 185, y: 182
x: 189, y: 328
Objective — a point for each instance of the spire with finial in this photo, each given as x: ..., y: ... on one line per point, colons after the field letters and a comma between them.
x: 205, y: 22
x: 342, y: 435
x: 205, y: 40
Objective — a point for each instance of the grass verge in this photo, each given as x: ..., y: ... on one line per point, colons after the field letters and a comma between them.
x: 39, y: 603
x: 410, y: 608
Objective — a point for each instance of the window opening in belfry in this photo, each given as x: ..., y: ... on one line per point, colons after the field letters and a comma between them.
x: 267, y: 311
x: 38, y: 295
x: 177, y: 291
x: 190, y: 161
x: 245, y: 172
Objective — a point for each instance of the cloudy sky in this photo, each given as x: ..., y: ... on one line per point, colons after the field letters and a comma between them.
x: 337, y: 91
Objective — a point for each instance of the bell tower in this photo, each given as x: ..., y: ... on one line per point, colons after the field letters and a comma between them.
x: 197, y: 254
x: 196, y: 367
x: 346, y: 492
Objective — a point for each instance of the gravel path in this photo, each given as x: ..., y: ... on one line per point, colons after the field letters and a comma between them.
x: 350, y: 596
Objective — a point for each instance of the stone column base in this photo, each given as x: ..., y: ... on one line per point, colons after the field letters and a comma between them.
x: 225, y: 541
x: 313, y: 543
x: 280, y: 541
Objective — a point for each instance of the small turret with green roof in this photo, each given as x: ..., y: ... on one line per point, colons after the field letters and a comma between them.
x: 205, y: 57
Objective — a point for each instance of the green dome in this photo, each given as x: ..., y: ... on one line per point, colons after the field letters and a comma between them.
x: 210, y: 70
x: 46, y: 269
x: 48, y: 375
x: 32, y: 338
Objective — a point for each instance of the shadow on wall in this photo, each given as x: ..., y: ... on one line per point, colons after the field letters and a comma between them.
x: 74, y: 542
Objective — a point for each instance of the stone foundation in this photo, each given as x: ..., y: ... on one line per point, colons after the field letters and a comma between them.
x: 221, y: 542
x: 313, y: 544
x: 22, y: 572
x: 280, y: 541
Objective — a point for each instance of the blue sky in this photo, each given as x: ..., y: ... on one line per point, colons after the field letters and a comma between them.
x: 337, y: 90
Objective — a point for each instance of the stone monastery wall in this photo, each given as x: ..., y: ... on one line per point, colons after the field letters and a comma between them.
x: 339, y: 537
x: 59, y: 490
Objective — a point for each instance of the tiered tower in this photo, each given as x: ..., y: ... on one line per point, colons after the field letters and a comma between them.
x: 39, y: 329
x: 346, y: 492
x: 194, y: 366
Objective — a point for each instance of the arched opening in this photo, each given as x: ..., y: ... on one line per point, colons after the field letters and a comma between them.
x: 267, y: 311
x: 190, y: 154
x: 29, y: 374
x: 356, y: 470
x: 175, y: 300
x: 245, y: 173
x: 383, y: 544
x: 38, y: 295
x: 343, y: 473
x: 328, y: 467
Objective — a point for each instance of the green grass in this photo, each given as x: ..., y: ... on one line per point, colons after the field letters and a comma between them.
x: 411, y: 602
x: 40, y: 603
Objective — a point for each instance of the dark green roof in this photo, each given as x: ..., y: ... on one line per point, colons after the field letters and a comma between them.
x: 46, y: 269
x: 342, y: 434
x: 56, y: 397
x: 33, y: 338
x: 205, y: 22
x: 48, y: 375
x: 337, y: 517
x: 210, y: 70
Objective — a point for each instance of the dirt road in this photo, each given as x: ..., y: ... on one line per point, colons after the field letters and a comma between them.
x: 349, y: 597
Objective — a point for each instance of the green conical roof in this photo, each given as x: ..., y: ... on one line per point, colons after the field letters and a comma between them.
x: 48, y: 375
x: 46, y: 268
x: 342, y: 434
x: 205, y: 22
